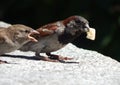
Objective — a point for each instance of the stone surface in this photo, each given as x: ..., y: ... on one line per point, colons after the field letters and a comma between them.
x: 4, y: 24
x: 93, y: 69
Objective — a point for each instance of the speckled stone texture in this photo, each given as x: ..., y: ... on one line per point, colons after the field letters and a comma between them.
x: 93, y: 68
x: 4, y: 24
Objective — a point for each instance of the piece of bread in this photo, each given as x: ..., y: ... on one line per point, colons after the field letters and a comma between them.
x: 91, y: 34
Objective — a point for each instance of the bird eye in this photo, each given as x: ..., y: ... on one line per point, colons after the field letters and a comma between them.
x: 27, y: 31
x: 77, y: 21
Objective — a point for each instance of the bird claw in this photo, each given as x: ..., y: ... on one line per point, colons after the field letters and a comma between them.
x: 65, y: 58
x: 47, y: 59
x: 1, y: 62
x: 52, y: 58
x: 58, y: 57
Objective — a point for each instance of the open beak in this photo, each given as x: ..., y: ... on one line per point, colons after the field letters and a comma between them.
x: 91, y: 33
x: 32, y: 38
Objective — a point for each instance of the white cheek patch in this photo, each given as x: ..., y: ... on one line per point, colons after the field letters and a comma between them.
x: 71, y: 24
x: 60, y: 28
x: 91, y: 34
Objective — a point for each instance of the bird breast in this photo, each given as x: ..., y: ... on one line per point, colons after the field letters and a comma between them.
x: 51, y: 44
x: 44, y: 44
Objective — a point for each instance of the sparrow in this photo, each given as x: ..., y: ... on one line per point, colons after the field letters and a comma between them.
x: 13, y: 37
x: 55, y: 36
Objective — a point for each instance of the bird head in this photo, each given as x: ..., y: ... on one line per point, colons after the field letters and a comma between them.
x: 22, y: 33
x: 77, y: 25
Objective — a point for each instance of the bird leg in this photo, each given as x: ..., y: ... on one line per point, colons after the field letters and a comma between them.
x: 38, y: 56
x: 1, y: 62
x: 57, y: 57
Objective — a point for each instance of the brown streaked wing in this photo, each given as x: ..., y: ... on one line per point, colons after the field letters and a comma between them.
x: 47, y: 29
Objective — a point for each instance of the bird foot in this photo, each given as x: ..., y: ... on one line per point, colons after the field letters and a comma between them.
x: 46, y: 59
x: 58, y: 57
x: 1, y: 62
x: 52, y: 58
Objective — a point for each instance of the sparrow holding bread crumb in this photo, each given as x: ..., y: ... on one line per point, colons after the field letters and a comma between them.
x: 54, y: 36
x: 13, y: 37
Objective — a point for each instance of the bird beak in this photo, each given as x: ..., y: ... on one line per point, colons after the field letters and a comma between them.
x: 91, y: 33
x: 32, y: 38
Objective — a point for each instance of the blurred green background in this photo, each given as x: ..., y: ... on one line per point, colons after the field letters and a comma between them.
x: 103, y: 15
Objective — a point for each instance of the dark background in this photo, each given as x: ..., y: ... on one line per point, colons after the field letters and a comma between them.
x: 103, y: 15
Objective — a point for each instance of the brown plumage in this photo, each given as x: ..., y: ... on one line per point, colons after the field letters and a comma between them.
x: 56, y: 35
x: 13, y: 37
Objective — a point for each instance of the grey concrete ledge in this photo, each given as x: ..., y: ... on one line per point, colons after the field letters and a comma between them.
x: 93, y: 69
x: 4, y: 24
